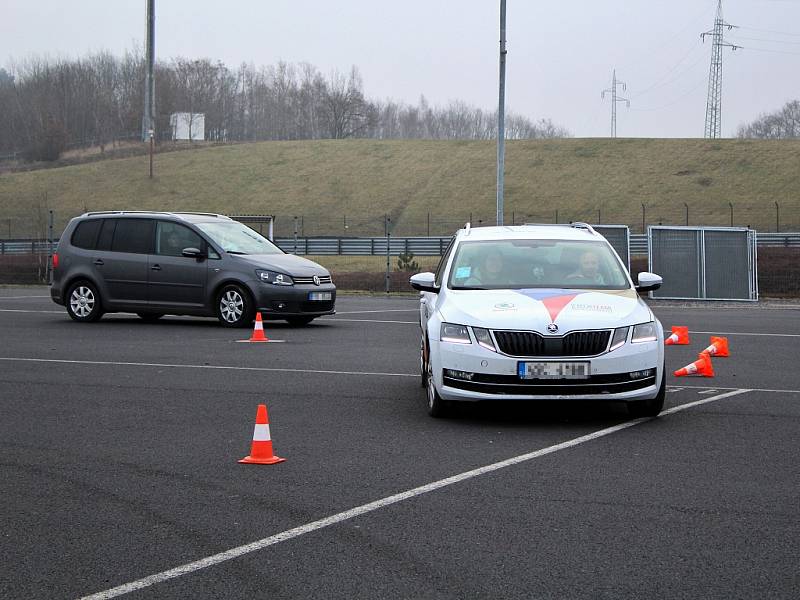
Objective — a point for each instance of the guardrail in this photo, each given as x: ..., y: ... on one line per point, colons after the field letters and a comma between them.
x: 376, y: 246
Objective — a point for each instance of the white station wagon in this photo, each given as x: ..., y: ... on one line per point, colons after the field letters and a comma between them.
x: 538, y: 312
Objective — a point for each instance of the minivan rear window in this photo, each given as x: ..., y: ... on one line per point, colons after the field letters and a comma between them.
x: 85, y: 234
x: 133, y: 235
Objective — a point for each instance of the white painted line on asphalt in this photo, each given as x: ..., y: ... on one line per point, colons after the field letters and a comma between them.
x: 358, y: 312
x: 212, y: 367
x: 772, y: 391
x: 19, y: 310
x: 370, y: 321
x: 709, y: 391
x: 744, y: 333
x: 674, y: 409
x: 289, y: 534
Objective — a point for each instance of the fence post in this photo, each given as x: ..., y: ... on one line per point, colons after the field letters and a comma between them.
x: 50, y: 248
x: 295, y: 236
x: 388, y: 244
x: 339, y: 245
x: 372, y: 246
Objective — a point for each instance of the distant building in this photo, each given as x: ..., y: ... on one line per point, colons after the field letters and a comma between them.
x: 188, y: 126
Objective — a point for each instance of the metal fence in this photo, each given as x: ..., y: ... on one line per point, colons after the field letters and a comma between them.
x: 704, y: 263
x: 419, y: 246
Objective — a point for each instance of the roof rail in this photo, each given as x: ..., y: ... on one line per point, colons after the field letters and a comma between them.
x: 573, y: 224
x: 582, y: 225
x: 122, y: 212
x: 151, y: 212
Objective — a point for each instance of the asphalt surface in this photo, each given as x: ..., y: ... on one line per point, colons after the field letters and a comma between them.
x: 119, y: 442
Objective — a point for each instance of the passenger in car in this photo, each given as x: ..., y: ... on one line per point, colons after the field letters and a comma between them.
x: 588, y: 271
x: 491, y: 269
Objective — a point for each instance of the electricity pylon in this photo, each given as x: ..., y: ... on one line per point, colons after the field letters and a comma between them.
x: 614, y: 99
x: 713, y: 127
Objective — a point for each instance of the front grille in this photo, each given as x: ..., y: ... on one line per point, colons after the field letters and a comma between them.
x: 530, y: 343
x: 310, y: 280
x: 512, y: 385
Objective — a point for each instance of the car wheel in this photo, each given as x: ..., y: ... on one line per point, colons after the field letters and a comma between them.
x: 234, y: 307
x: 423, y: 362
x: 650, y: 408
x: 436, y: 406
x: 83, y: 302
x: 148, y: 316
x: 299, y: 321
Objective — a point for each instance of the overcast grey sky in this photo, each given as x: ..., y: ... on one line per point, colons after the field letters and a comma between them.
x: 561, y: 54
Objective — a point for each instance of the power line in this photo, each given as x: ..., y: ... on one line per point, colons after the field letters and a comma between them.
x: 770, y: 31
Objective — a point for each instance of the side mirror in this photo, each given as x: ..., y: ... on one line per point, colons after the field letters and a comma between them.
x: 648, y: 282
x: 424, y: 282
x: 193, y: 253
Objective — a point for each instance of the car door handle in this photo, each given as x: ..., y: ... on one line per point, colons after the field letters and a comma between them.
x: 99, y: 262
x: 156, y: 267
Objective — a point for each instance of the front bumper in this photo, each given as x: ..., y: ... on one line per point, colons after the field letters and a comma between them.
x: 279, y: 302
x: 495, y: 375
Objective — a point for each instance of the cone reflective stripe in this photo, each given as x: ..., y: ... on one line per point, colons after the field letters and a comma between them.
x: 261, y: 449
x: 680, y: 336
x: 718, y: 347
x: 258, y: 330
x: 702, y: 366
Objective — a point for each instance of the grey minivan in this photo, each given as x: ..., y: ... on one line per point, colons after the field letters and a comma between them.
x: 157, y: 263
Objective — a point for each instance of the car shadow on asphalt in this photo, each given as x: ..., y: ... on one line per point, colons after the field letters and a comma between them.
x: 526, y: 413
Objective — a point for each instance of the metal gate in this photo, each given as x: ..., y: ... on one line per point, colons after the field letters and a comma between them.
x: 619, y: 236
x: 704, y: 263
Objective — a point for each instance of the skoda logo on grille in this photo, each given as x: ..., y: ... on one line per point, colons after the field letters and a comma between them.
x: 552, y: 328
x: 316, y: 279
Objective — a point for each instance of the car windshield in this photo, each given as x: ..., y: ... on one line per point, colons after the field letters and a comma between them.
x: 236, y: 238
x: 520, y: 264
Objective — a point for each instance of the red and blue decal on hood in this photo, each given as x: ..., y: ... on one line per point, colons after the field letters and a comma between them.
x: 554, y: 300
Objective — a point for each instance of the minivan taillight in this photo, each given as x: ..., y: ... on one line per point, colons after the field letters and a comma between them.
x: 55, y: 260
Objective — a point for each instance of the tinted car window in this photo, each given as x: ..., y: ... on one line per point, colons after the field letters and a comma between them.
x: 172, y: 238
x: 106, y: 234
x: 85, y: 234
x: 133, y: 235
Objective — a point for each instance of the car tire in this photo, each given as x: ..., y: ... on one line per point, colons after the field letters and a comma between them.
x: 234, y: 307
x: 423, y: 362
x: 437, y: 407
x: 299, y: 321
x: 149, y: 317
x: 650, y: 408
x: 83, y: 302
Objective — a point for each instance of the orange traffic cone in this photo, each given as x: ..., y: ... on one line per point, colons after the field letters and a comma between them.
x: 718, y: 347
x: 261, y: 450
x: 258, y: 331
x: 680, y: 336
x: 702, y: 366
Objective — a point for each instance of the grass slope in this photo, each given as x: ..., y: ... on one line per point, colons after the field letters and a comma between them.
x: 324, y: 181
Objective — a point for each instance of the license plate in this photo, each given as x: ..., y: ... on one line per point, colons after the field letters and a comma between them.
x: 319, y: 295
x: 553, y: 370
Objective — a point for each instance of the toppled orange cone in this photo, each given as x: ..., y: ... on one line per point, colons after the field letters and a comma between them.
x: 261, y: 450
x: 718, y: 347
x: 702, y: 366
x: 680, y: 336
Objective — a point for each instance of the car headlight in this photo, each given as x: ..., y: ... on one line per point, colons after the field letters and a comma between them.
x: 484, y: 338
x: 273, y: 277
x: 456, y: 334
x: 620, y: 335
x: 645, y: 332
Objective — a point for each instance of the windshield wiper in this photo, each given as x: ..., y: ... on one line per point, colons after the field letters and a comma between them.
x: 236, y: 252
x: 467, y: 287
